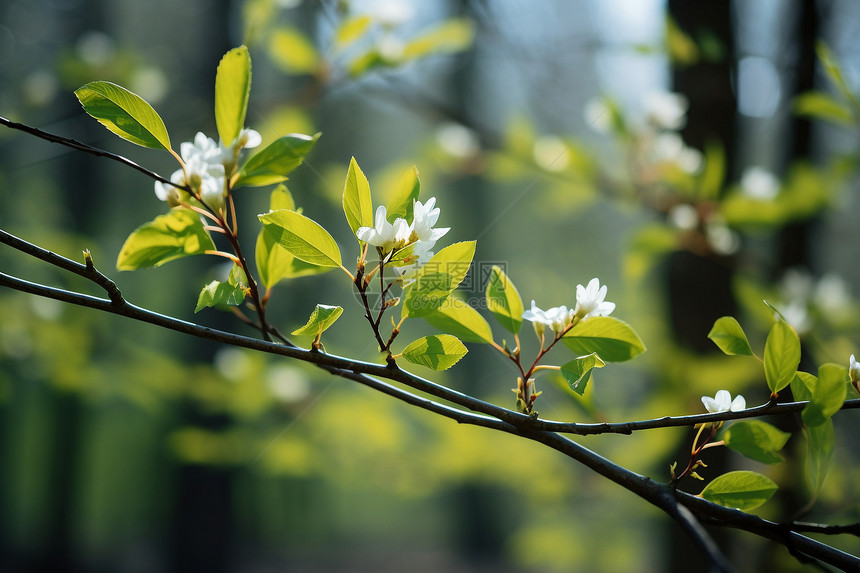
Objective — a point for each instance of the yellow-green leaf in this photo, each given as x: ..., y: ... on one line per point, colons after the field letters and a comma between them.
x: 232, y: 90
x: 613, y: 340
x: 302, y: 237
x: 405, y: 192
x: 439, y: 352
x: 293, y: 52
x: 458, y: 318
x: 177, y: 234
x: 504, y: 301
x: 827, y: 396
x: 781, y: 356
x: 322, y: 317
x: 357, y: 203
x: 351, y: 30
x: 756, y: 440
x: 743, y: 490
x: 577, y: 372
x: 220, y: 295
x: 124, y: 113
x: 730, y: 337
x: 276, y: 161
x: 454, y: 35
x: 437, y: 279
x: 823, y: 106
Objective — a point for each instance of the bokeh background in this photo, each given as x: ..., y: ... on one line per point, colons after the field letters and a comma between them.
x: 541, y: 129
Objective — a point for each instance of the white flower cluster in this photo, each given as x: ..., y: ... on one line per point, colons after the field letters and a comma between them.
x: 394, y: 236
x: 206, y: 165
x: 589, y: 302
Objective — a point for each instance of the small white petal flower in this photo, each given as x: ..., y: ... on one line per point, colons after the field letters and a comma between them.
x: 722, y: 402
x: 666, y: 110
x: 423, y: 218
x: 557, y: 318
x: 853, y: 370
x: 590, y: 300
x: 759, y: 183
x: 383, y: 234
x: 203, y: 148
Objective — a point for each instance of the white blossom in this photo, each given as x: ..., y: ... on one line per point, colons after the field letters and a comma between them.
x: 590, y: 300
x: 423, y: 218
x: 557, y: 318
x: 853, y: 370
x: 722, y: 402
x: 759, y: 183
x: 383, y: 234
x: 666, y: 110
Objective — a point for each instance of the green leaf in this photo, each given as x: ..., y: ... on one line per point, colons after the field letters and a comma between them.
x: 124, y: 113
x: 730, y: 337
x: 743, y: 490
x: 828, y: 395
x: 302, y: 237
x: 577, y: 372
x: 821, y: 442
x: 823, y: 106
x: 351, y: 30
x: 781, y: 356
x: 275, y: 162
x: 612, y: 339
x: 293, y: 52
x: 756, y: 440
x: 357, y: 204
x: 322, y: 317
x: 458, y: 318
x: 220, y: 295
x: 834, y: 70
x: 714, y: 174
x: 454, y: 35
x: 803, y: 385
x: 439, y: 352
x: 504, y: 301
x: 437, y: 279
x: 232, y: 89
x: 177, y: 234
x: 405, y: 193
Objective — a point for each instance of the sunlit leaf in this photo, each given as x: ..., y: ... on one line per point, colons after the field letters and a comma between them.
x: 302, y: 237
x: 124, y: 113
x: 439, y: 352
x: 437, y: 279
x: 828, y: 395
x: 232, y: 89
x: 357, y: 203
x: 781, y: 356
x: 405, y: 193
x: 743, y: 490
x: 322, y: 317
x: 504, y: 301
x: 577, y: 372
x: 756, y: 440
x: 177, y: 234
x: 823, y: 106
x: 458, y: 318
x: 220, y: 294
x: 351, y: 29
x: 454, y: 35
x: 728, y: 335
x: 275, y: 162
x: 613, y: 340
x: 293, y: 52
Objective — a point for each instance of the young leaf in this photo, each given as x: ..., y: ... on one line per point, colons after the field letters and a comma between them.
x: 351, y: 30
x: 730, y: 337
x: 293, y: 52
x: 405, y: 192
x: 803, y: 385
x: 756, y: 440
x: 124, y: 113
x: 451, y: 36
x: 577, y: 372
x: 437, y: 279
x: 781, y: 356
x: 743, y: 490
x: 177, y: 234
x: 821, y: 443
x: 357, y: 204
x: 439, y: 352
x: 612, y: 339
x: 823, y: 106
x: 458, y: 318
x: 504, y: 301
x: 275, y: 162
x: 232, y: 89
x: 322, y: 317
x: 220, y: 294
x: 302, y: 237
x: 828, y: 395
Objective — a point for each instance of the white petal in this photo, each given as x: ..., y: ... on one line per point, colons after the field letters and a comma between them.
x: 723, y: 399
x: 710, y: 404
x: 738, y: 404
